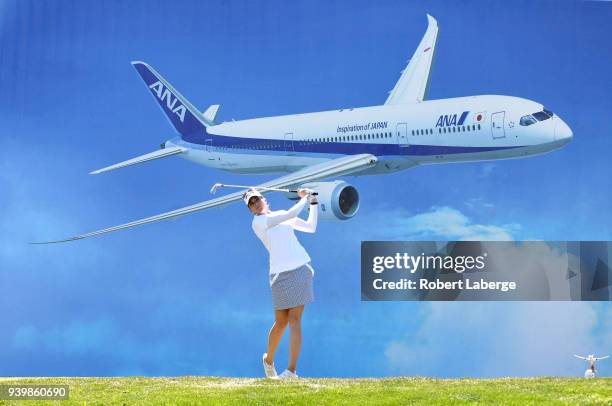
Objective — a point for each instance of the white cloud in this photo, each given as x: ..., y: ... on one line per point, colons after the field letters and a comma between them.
x: 478, y: 203
x: 499, y: 339
x: 487, y: 169
x: 446, y: 223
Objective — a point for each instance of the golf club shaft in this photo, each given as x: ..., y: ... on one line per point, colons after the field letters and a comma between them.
x: 261, y: 187
x: 264, y: 188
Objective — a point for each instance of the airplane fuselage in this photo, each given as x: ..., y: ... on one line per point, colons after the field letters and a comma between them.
x: 459, y: 129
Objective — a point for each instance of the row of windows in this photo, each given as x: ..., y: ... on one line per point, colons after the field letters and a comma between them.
x: 360, y: 137
x: 422, y: 132
x: 348, y: 138
x: 444, y: 130
x: 344, y: 138
x: 250, y: 146
x: 459, y: 129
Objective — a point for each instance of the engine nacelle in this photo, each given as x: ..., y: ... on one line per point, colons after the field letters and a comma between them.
x: 337, y: 200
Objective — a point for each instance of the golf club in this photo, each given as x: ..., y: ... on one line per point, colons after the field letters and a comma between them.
x: 216, y: 187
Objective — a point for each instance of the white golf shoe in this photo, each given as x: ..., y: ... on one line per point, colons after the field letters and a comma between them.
x: 286, y: 374
x: 269, y: 369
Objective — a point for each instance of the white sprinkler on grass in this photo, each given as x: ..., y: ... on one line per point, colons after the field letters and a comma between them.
x: 590, y: 373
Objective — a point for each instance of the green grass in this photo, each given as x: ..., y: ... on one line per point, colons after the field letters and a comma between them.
x: 385, y: 391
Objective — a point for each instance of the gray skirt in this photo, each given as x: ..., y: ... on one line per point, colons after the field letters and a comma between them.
x: 292, y: 288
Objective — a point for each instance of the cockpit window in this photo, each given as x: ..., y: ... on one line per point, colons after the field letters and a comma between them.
x: 541, y: 116
x: 528, y: 120
x: 535, y: 117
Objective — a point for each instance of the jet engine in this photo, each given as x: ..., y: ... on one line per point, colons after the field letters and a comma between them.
x: 337, y: 200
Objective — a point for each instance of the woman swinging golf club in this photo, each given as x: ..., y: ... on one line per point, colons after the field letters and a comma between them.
x: 290, y: 271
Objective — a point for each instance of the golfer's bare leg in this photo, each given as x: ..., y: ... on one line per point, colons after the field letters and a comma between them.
x: 281, y: 319
x: 295, y: 340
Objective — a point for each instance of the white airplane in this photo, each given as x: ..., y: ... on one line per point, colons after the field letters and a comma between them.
x: 406, y: 131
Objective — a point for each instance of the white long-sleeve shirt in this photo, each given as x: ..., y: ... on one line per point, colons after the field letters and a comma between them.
x: 275, y: 230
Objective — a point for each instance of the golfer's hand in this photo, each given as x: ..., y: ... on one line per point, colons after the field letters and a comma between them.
x: 303, y: 192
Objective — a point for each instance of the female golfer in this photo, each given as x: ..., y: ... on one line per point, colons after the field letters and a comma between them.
x: 290, y: 271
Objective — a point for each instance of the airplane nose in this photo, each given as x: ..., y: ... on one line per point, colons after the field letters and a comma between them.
x: 563, y: 132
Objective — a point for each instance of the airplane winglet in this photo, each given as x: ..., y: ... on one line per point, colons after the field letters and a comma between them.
x: 211, y: 113
x: 413, y: 84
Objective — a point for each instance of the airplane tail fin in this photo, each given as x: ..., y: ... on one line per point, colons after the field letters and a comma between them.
x: 183, y: 116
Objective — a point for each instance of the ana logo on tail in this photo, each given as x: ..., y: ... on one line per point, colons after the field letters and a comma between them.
x: 163, y: 93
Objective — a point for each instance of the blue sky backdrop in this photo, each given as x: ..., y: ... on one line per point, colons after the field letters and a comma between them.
x: 190, y: 296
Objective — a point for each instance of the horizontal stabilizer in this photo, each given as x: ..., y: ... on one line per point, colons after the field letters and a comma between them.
x: 162, y: 153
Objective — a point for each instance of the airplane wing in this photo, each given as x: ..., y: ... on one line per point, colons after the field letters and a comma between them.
x: 413, y: 85
x: 578, y: 356
x: 336, y: 167
x: 162, y: 153
x: 607, y: 356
